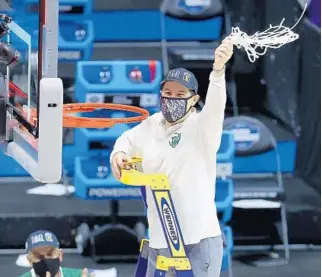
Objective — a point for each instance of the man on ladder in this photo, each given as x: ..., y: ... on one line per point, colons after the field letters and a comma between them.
x: 183, y: 144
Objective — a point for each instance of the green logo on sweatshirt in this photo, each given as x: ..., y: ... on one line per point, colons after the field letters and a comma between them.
x: 174, y: 140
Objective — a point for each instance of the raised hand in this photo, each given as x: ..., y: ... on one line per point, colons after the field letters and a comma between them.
x: 223, y: 53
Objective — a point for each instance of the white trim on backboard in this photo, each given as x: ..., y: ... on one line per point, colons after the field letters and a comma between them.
x: 14, y: 27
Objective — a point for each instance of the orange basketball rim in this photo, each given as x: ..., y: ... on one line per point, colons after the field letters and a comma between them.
x: 72, y: 120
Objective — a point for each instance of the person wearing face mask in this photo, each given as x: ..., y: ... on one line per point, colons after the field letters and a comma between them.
x: 182, y: 144
x: 45, y: 257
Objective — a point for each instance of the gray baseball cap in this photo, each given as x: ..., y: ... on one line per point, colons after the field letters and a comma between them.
x: 183, y: 77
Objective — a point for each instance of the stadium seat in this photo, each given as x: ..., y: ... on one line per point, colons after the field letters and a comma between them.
x: 225, y: 155
x: 224, y: 199
x: 227, y: 236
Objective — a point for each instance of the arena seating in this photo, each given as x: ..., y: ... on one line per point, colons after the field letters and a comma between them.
x: 225, y: 195
x: 76, y: 32
x: 224, y: 199
x: 228, y: 250
x: 110, y: 82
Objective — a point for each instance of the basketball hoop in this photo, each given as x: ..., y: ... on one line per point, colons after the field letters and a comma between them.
x: 71, y: 120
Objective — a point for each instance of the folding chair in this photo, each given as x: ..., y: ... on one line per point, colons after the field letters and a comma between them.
x: 260, y: 186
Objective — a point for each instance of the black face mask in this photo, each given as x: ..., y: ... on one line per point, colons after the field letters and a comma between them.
x: 50, y: 265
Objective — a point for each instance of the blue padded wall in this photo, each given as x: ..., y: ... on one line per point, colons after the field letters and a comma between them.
x: 145, y: 25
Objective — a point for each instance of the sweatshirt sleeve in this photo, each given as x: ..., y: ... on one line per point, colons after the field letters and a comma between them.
x: 211, y: 117
x: 130, y: 141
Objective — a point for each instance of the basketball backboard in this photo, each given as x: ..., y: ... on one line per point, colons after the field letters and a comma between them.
x: 34, y: 96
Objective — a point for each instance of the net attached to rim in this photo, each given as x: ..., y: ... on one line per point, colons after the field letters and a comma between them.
x: 72, y: 120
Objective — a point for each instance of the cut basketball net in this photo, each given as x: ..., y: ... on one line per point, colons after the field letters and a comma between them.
x: 71, y: 120
x: 274, y: 37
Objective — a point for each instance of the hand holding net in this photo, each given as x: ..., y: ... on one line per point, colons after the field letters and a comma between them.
x: 256, y: 45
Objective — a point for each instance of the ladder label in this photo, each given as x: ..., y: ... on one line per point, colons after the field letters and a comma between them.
x: 170, y: 223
